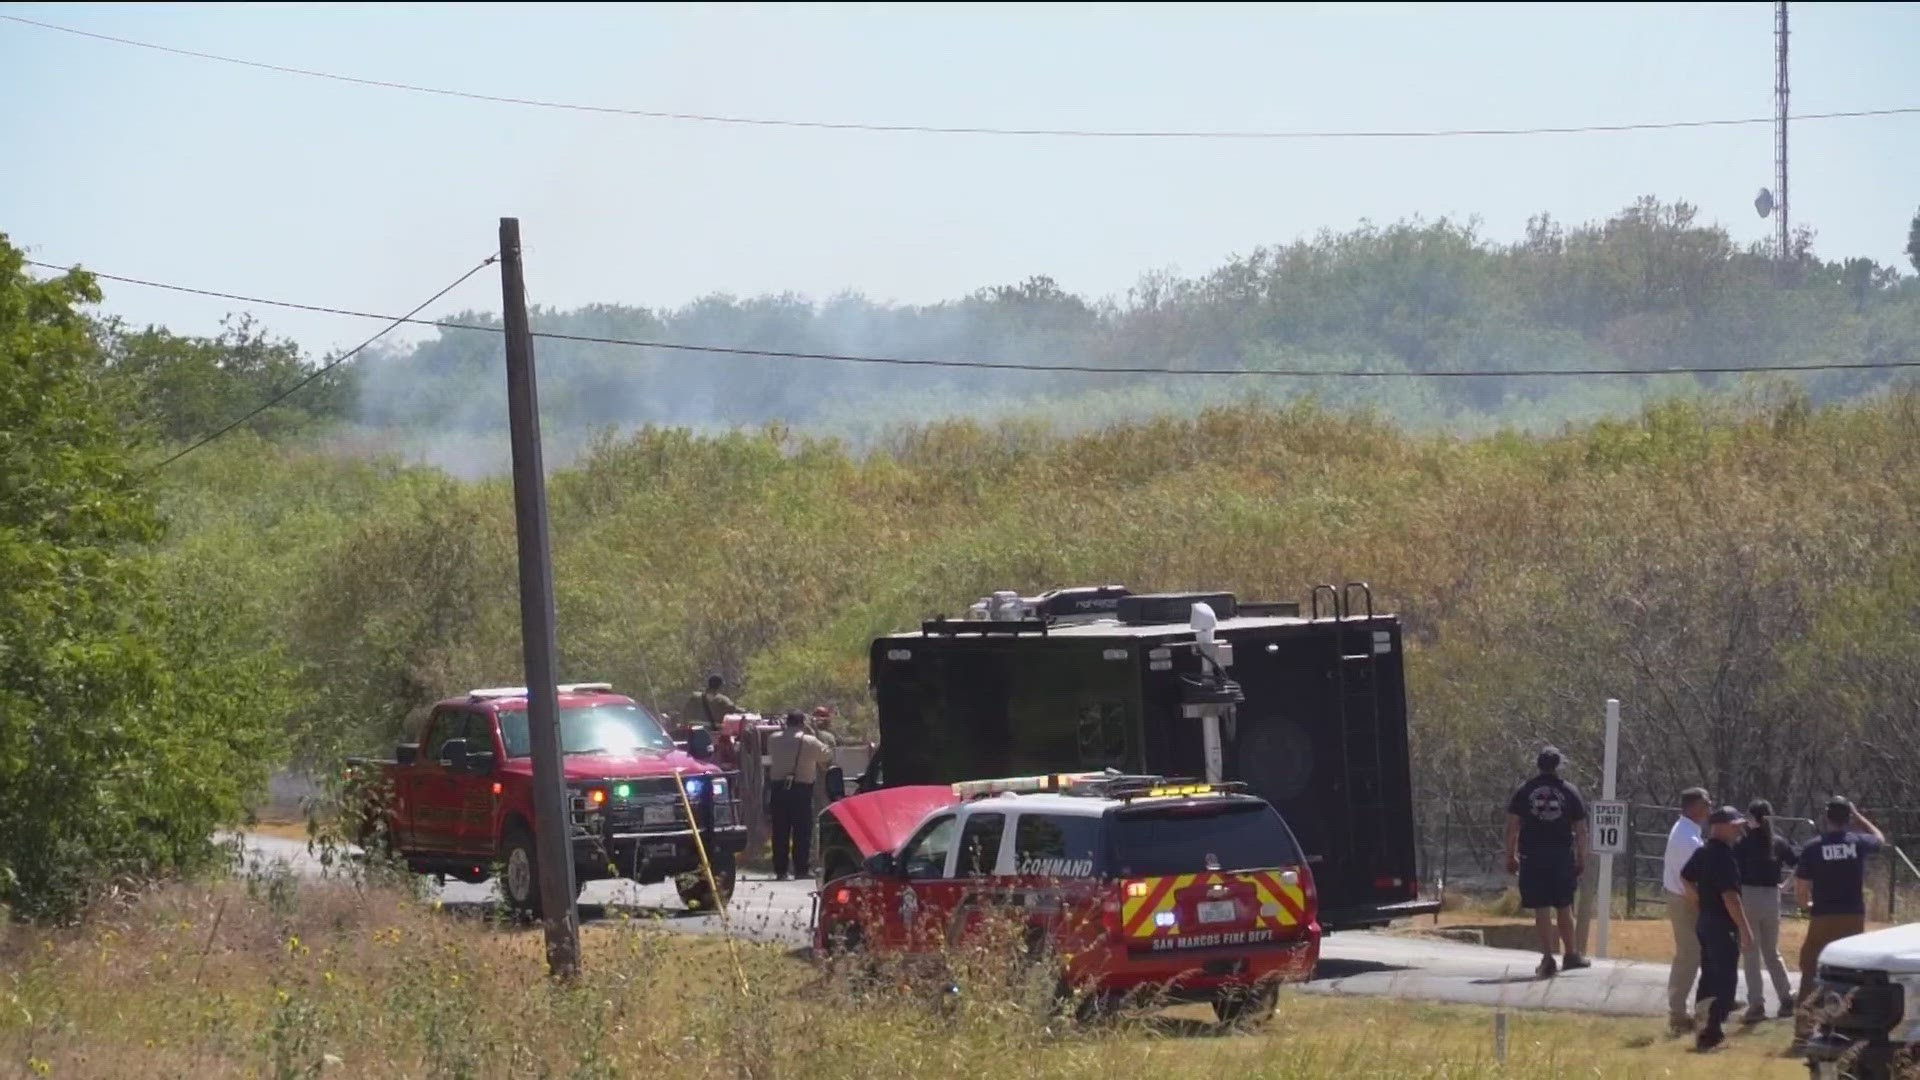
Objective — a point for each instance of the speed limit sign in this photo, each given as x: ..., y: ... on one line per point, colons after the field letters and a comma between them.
x: 1609, y: 828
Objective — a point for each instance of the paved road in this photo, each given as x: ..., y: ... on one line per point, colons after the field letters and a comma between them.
x: 1371, y: 964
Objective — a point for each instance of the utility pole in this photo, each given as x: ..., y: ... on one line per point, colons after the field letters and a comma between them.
x: 552, y: 841
x: 1785, y: 236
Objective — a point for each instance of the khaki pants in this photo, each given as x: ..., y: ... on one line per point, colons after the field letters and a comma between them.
x: 1686, y: 957
x: 1763, y: 914
x: 1822, y: 931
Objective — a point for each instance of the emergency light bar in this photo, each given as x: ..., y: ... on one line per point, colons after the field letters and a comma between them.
x: 1108, y: 785
x: 1018, y: 785
x: 491, y: 693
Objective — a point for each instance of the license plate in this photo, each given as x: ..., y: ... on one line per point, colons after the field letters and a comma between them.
x: 658, y: 815
x: 658, y: 851
x: 1218, y: 911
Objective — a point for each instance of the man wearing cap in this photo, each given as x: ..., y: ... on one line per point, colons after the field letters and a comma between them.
x: 1830, y: 883
x: 795, y: 760
x: 1683, y: 840
x: 710, y: 706
x: 1546, y: 846
x: 1712, y: 879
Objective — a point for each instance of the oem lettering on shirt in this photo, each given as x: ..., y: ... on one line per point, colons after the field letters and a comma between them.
x: 1840, y: 852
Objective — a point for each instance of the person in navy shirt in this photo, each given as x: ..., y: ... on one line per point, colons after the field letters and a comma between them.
x: 1546, y: 845
x: 1831, y: 883
x: 1712, y: 877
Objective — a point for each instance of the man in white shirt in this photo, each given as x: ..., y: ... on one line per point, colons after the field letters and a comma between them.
x: 1682, y: 841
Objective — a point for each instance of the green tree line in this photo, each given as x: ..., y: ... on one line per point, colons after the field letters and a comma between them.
x: 1652, y: 286
x: 1734, y: 560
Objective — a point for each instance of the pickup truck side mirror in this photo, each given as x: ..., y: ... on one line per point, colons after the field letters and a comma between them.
x: 453, y: 753
x: 881, y: 864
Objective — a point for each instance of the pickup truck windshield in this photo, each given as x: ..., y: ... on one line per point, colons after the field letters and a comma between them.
x: 1181, y: 839
x: 590, y: 729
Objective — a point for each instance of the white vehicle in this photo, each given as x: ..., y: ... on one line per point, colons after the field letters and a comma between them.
x: 1868, y: 1000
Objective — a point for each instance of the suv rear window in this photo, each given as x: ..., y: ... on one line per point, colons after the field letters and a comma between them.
x: 1152, y: 841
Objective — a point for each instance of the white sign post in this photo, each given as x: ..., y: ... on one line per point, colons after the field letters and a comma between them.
x: 1607, y: 822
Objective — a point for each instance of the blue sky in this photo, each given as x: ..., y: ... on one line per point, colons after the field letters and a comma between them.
x: 201, y: 173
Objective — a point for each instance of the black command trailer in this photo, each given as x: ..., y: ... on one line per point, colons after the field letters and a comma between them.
x: 1085, y: 679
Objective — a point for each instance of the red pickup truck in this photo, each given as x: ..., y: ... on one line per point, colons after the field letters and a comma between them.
x: 459, y: 802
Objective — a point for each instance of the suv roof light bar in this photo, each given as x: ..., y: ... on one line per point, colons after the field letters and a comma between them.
x: 1020, y: 785
x: 1109, y: 784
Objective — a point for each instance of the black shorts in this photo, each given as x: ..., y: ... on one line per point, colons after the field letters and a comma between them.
x: 1548, y: 878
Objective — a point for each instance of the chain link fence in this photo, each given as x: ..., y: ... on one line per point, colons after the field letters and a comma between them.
x: 1460, y: 842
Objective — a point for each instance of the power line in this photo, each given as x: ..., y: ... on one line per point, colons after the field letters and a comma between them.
x: 993, y: 365
x: 328, y: 366
x: 935, y: 129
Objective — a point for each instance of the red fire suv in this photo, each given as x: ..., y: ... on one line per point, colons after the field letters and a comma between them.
x: 459, y: 802
x: 1137, y: 885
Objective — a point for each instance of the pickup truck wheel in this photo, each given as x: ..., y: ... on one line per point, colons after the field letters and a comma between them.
x: 520, y: 874
x: 693, y: 889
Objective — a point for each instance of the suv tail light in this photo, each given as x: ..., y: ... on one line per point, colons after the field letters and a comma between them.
x: 1113, y: 908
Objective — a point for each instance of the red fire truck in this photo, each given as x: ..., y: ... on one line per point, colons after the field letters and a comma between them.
x: 1131, y: 885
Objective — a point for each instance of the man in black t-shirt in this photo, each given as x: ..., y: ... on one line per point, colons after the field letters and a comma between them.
x: 1546, y: 846
x: 1712, y: 877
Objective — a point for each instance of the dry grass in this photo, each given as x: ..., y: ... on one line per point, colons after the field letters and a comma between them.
x: 286, y: 979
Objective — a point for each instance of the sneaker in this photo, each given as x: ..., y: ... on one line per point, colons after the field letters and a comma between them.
x: 1755, y: 1015
x: 1787, y: 1011
x: 779, y: 875
x: 1680, y: 1026
x: 1709, y: 1038
x: 1547, y: 968
x: 1574, y: 962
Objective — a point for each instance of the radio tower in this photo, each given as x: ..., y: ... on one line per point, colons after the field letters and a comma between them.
x: 1780, y: 128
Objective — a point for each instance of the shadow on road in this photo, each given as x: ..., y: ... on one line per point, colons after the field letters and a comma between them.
x: 1509, y: 980
x: 1335, y: 968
